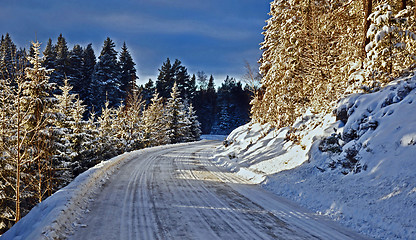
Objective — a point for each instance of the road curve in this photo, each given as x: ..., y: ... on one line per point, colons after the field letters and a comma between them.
x: 177, y: 193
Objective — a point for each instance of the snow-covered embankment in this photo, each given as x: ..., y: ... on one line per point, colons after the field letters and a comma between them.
x: 359, y: 170
x: 55, y: 217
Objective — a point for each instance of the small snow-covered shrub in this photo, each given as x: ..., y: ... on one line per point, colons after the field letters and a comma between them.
x: 330, y: 144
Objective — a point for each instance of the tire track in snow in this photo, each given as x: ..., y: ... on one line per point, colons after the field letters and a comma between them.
x: 175, y: 192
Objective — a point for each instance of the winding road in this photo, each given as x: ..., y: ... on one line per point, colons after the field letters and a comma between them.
x: 178, y: 193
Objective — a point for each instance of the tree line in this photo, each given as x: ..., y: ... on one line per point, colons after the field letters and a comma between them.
x: 315, y: 52
x: 46, y: 141
x: 65, y: 111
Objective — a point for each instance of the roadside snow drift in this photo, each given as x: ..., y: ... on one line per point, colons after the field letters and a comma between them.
x: 55, y: 217
x: 359, y: 170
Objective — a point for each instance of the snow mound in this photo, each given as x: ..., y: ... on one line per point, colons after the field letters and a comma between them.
x: 356, y: 166
x: 58, y: 215
x: 255, y: 151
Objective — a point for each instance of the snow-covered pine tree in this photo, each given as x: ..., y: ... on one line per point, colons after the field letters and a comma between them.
x: 81, y: 137
x: 106, y: 77
x: 107, y: 139
x: 7, y: 167
x: 37, y: 92
x: 26, y: 139
x: 391, y: 50
x: 280, y: 64
x: 133, y: 116
x: 175, y: 116
x: 154, y: 123
x: 194, y: 127
x: 92, y: 144
x: 70, y: 134
x: 309, y: 49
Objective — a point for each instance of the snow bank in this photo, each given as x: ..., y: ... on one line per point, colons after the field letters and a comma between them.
x: 359, y: 171
x: 55, y: 217
x: 255, y: 151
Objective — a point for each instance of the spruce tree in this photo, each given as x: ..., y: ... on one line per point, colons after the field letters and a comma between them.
x: 128, y: 72
x: 176, y: 117
x: 7, y: 57
x: 49, y: 55
x: 75, y: 67
x: 147, y: 91
x: 106, y: 77
x: 194, y: 127
x: 132, y: 127
x: 71, y: 136
x: 39, y: 101
x: 86, y: 90
x: 155, y: 123
x: 61, y: 61
x: 7, y: 165
x: 165, y: 79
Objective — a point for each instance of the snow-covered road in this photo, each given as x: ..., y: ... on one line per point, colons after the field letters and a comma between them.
x: 177, y: 193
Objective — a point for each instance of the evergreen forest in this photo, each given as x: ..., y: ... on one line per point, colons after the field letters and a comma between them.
x: 64, y: 110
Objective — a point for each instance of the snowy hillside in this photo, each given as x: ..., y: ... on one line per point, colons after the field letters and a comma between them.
x: 359, y: 170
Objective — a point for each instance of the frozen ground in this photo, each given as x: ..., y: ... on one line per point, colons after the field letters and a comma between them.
x: 170, y: 192
x: 360, y: 171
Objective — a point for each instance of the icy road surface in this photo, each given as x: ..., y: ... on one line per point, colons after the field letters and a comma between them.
x: 177, y: 193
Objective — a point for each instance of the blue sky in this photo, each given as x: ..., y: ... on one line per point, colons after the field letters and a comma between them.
x: 214, y: 36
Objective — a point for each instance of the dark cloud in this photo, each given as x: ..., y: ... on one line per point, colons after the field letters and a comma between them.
x: 216, y: 36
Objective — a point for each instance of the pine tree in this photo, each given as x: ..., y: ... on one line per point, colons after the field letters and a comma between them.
x: 7, y: 167
x: 8, y: 58
x: 165, y: 79
x: 74, y: 69
x: 70, y: 136
x: 87, y: 90
x: 309, y: 50
x: 26, y: 139
x: 61, y: 61
x: 81, y: 138
x: 107, y: 133
x: 155, y: 123
x: 147, y: 91
x: 183, y: 81
x: 49, y: 55
x: 39, y: 101
x: 390, y: 52
x: 132, y: 115
x: 175, y: 115
x: 128, y: 72
x: 106, y: 77
x: 194, y: 127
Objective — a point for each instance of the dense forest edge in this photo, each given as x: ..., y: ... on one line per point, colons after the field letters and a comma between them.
x: 63, y: 111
